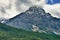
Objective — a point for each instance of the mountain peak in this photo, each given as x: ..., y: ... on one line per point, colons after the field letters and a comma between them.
x: 35, y: 16
x: 36, y: 9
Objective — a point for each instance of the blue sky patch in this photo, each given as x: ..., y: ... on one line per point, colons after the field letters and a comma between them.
x: 53, y: 1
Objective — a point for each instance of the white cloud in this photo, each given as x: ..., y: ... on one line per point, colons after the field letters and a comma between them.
x: 10, y: 8
x: 54, y: 10
x: 14, y: 7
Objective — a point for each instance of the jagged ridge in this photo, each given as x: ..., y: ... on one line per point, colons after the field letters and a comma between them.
x: 35, y: 16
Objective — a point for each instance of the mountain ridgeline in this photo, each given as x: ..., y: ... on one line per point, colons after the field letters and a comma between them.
x: 35, y: 16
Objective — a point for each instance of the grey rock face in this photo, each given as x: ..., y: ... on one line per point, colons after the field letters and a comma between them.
x: 35, y: 16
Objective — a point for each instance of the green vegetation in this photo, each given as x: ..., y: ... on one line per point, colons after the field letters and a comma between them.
x: 10, y: 33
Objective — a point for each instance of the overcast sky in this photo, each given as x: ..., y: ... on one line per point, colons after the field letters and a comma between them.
x: 10, y: 8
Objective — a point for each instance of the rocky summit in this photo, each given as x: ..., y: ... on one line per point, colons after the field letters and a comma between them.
x: 35, y: 18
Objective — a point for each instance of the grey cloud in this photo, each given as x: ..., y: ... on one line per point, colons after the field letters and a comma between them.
x: 57, y: 14
x: 2, y: 10
x: 19, y: 4
x: 9, y: 6
x: 27, y: 3
x: 24, y: 1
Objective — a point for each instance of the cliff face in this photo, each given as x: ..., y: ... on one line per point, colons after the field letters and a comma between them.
x: 35, y: 16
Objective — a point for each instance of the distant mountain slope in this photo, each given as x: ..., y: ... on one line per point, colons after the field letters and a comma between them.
x: 35, y: 16
x: 10, y: 33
